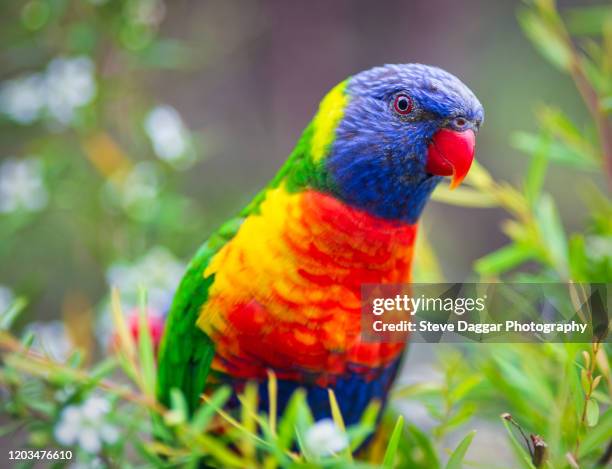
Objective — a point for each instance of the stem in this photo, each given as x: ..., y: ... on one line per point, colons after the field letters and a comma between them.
x: 587, y: 395
x: 517, y: 425
x: 10, y: 344
x: 591, y: 100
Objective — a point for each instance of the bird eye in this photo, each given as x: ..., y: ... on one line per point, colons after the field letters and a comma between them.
x: 402, y: 104
x: 459, y: 122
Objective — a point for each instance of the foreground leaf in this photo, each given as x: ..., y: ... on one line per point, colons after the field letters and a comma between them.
x: 456, y: 459
x: 391, y: 451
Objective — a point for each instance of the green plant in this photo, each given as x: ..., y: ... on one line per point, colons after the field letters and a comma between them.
x: 554, y: 399
x: 565, y: 395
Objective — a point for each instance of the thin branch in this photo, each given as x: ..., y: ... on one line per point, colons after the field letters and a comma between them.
x: 11, y: 344
x: 587, y: 394
x: 593, y: 103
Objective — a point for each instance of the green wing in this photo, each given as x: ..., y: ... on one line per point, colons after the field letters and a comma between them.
x: 186, y: 352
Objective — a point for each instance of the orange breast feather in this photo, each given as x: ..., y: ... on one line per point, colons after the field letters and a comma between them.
x: 286, y: 293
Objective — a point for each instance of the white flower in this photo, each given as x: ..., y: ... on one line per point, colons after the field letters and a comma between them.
x: 51, y: 338
x: 66, y: 84
x: 6, y: 299
x: 21, y: 185
x: 95, y: 408
x: 24, y: 98
x: 324, y: 438
x: 86, y: 425
x: 168, y: 135
x: 70, y: 83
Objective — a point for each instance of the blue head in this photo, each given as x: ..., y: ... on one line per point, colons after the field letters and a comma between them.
x: 403, y: 127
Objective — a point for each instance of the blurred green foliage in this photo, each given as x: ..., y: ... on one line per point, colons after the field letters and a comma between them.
x: 91, y: 127
x: 99, y: 161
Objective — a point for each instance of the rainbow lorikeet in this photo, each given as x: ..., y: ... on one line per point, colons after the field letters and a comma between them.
x: 278, y: 287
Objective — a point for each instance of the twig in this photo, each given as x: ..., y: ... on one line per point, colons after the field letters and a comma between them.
x: 537, y: 446
x: 592, y: 101
x: 517, y: 425
x: 587, y: 394
x: 10, y: 344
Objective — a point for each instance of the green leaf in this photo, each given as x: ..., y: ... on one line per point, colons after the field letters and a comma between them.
x: 552, y: 234
x: 546, y: 38
x: 28, y: 339
x: 503, y: 259
x: 597, y: 437
x: 273, y: 400
x: 47, y: 408
x: 556, y: 122
x: 578, y: 260
x: 467, y: 384
x: 287, y: 423
x: 592, y: 412
x: 207, y: 411
x: 142, y: 447
x: 75, y: 359
x: 145, y: 346
x: 179, y: 409
x: 358, y: 433
x: 335, y: 410
x: 278, y: 455
x: 35, y: 14
x: 8, y: 317
x: 557, y: 151
x: 523, y: 456
x: 537, y: 170
x: 103, y: 369
x: 417, y: 390
x: 419, y: 451
x: 588, y: 20
x: 303, y: 418
x: 248, y: 418
x: 464, y: 197
x: 602, y: 397
x: 220, y: 451
x: 456, y: 459
x: 339, y: 421
x: 391, y: 451
x: 460, y: 416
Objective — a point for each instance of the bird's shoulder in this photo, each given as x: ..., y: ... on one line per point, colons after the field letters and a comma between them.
x: 193, y: 289
x: 185, y: 351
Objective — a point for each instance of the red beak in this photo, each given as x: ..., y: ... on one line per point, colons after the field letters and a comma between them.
x: 451, y: 153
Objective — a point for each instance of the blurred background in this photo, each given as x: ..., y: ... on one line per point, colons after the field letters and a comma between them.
x: 130, y: 129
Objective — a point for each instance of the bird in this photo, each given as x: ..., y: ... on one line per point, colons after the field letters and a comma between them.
x: 277, y: 287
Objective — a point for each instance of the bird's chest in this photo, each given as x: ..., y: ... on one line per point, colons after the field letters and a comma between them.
x: 286, y: 292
